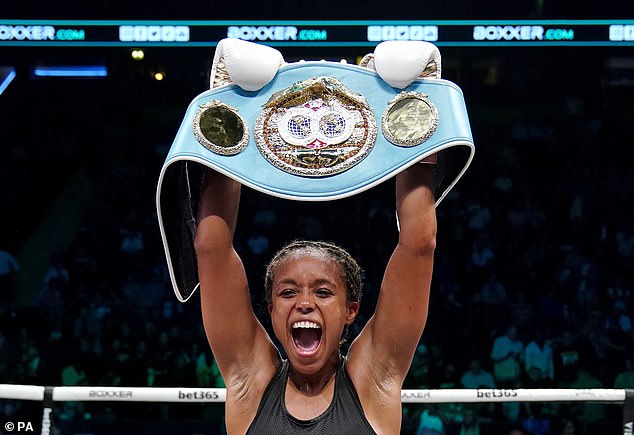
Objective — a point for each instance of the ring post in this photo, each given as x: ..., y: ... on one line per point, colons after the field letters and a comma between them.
x: 628, y: 412
x: 47, y: 410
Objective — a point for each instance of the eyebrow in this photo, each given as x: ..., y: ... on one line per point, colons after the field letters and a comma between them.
x: 317, y: 281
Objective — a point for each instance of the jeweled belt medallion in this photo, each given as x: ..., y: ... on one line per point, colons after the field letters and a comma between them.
x: 410, y: 119
x: 218, y: 127
x: 315, y: 128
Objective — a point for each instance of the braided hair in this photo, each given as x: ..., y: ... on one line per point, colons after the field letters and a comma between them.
x: 349, y: 268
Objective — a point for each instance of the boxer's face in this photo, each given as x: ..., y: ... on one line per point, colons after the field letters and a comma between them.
x: 309, y: 308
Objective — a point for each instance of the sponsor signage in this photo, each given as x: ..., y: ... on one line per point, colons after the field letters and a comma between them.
x: 202, y: 395
x: 465, y: 33
x: 40, y: 33
x: 621, y: 33
x: 110, y: 394
x: 403, y: 33
x: 140, y: 33
x: 495, y: 394
x: 276, y: 33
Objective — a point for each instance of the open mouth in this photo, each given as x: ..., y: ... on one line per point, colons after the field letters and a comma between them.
x: 306, y: 337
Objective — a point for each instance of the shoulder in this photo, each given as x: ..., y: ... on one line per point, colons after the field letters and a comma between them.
x: 245, y: 392
x: 379, y: 393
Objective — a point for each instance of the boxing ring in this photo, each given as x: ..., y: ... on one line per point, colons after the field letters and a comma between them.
x: 48, y: 395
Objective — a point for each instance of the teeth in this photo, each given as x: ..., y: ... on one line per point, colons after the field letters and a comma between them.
x: 306, y: 324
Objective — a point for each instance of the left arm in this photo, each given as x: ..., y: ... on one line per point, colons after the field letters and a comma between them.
x: 384, y: 350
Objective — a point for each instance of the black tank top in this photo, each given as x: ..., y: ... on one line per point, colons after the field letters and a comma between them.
x: 343, y: 416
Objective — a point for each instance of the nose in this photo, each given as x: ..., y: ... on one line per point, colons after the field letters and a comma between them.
x: 305, y: 303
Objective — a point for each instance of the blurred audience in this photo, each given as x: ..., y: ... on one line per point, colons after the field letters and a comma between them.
x: 533, y: 284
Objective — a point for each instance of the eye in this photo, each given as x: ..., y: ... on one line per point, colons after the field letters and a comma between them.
x: 323, y: 293
x: 286, y: 293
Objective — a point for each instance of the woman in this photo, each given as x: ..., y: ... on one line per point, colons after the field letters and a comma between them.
x: 314, y: 291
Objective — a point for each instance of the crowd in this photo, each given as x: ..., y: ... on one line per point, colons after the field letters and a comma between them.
x: 532, y: 284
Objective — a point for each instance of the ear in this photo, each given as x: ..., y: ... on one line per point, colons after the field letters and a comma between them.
x: 270, y: 308
x: 353, y: 310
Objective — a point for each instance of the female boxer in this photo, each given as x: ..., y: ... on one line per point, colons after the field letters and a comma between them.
x: 313, y: 290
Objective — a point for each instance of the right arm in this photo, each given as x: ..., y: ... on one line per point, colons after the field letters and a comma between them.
x: 240, y: 344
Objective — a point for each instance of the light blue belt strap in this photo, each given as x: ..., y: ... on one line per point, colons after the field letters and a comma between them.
x: 252, y: 165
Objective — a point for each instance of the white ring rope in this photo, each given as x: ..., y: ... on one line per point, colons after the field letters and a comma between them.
x: 198, y: 395
x: 21, y: 392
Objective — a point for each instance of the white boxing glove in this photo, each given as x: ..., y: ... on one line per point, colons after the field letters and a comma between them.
x: 248, y: 65
x: 399, y: 63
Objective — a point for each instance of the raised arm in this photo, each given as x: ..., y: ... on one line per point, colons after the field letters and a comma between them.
x: 236, y: 337
x: 392, y: 334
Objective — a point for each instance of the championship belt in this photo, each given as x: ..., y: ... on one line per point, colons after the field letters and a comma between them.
x: 309, y: 131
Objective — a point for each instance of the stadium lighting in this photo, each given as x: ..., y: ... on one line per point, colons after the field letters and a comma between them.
x: 138, y: 54
x: 71, y: 71
x: 7, y: 74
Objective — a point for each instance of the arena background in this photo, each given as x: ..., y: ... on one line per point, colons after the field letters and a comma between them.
x: 537, y: 235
